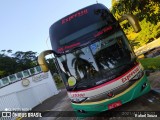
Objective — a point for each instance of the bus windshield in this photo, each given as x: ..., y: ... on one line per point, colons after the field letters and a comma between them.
x: 81, y: 27
x: 97, y: 63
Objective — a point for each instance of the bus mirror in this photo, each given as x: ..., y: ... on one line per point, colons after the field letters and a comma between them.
x: 42, y: 61
x: 132, y: 20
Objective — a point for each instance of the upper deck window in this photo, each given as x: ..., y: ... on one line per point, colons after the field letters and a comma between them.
x: 80, y: 27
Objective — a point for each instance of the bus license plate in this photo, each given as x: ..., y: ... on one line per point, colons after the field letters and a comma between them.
x: 114, y: 105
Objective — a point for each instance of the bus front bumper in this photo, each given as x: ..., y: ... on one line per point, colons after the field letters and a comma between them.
x: 139, y: 88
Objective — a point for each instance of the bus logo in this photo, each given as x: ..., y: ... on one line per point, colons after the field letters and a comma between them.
x: 130, y: 75
x: 75, y: 15
x: 110, y: 94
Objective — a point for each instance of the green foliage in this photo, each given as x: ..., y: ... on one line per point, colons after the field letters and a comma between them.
x: 2, y: 72
x: 60, y: 85
x: 151, y: 63
x: 148, y: 33
x: 51, y: 65
x: 57, y: 78
x: 148, y: 13
x: 25, y: 60
x: 7, y: 65
x: 19, y: 61
x: 141, y: 8
x: 10, y: 64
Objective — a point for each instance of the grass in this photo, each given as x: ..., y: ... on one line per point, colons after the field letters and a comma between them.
x: 151, y: 63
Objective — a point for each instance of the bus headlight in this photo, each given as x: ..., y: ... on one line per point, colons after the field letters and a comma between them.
x: 138, y: 76
x: 78, y: 100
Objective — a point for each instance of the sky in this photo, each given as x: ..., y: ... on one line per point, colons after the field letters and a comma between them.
x: 24, y: 24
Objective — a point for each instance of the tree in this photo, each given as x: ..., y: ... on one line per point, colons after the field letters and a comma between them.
x: 25, y: 60
x: 17, y: 62
x: 80, y: 65
x: 148, y: 9
x: 7, y: 65
x: 148, y: 13
x: 51, y: 65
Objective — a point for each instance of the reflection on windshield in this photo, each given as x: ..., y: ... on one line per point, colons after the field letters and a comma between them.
x: 98, y: 63
x: 79, y: 63
x: 112, y: 54
x: 83, y: 67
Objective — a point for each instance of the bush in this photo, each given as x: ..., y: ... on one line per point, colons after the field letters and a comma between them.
x: 151, y: 63
x: 57, y: 78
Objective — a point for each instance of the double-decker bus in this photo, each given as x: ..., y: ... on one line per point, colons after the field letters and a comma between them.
x: 93, y: 56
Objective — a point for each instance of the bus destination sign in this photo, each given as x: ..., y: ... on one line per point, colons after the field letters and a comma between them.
x: 75, y: 15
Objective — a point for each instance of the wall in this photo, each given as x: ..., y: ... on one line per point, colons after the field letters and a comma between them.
x: 16, y: 96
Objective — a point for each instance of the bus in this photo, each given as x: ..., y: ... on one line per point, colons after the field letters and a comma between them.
x: 95, y: 60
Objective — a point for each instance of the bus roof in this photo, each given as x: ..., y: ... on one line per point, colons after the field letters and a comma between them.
x: 74, y: 27
x: 87, y: 7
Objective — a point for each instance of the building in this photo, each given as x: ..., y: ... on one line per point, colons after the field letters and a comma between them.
x: 24, y: 90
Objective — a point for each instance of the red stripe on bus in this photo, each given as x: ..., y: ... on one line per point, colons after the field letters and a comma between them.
x: 116, y: 79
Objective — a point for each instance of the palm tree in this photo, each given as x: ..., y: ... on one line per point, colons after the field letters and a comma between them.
x: 65, y: 66
x: 81, y: 65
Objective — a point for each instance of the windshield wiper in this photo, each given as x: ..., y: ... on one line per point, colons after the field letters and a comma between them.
x: 76, y: 48
x: 78, y: 83
x: 82, y: 84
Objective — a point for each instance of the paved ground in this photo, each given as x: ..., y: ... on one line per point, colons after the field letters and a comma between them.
x: 154, y: 79
x: 61, y: 102
x: 52, y: 102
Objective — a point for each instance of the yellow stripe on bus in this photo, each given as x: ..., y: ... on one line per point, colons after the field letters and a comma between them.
x: 90, y: 103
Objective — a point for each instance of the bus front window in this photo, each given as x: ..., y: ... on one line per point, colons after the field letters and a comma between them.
x: 97, y: 63
x: 113, y: 55
x: 80, y: 66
